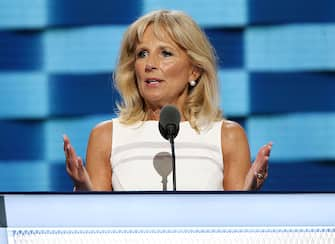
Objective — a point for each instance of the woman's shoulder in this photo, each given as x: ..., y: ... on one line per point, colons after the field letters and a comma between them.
x: 231, y: 130
x: 229, y: 124
x: 233, y: 137
x: 103, y: 125
x: 100, y: 139
x: 103, y: 129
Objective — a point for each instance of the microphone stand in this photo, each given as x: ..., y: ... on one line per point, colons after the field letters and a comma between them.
x: 170, y: 133
x: 173, y: 163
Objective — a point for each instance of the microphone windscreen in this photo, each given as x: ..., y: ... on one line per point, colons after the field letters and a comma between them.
x: 169, y: 120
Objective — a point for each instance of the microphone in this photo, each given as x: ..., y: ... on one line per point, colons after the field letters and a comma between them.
x: 169, y: 119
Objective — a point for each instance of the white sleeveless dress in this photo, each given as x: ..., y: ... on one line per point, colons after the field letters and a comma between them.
x: 141, y: 158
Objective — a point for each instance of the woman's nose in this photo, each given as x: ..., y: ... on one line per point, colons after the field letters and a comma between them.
x: 151, y: 64
x: 149, y: 67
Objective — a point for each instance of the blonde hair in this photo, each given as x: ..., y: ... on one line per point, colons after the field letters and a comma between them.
x: 202, y: 104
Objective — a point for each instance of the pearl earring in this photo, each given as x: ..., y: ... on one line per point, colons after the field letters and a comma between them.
x: 192, y: 83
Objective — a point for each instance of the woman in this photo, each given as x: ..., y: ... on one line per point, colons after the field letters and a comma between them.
x: 166, y: 59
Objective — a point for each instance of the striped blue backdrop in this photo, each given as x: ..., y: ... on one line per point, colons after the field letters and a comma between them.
x: 277, y: 78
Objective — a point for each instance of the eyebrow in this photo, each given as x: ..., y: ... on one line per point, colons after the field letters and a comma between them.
x: 142, y: 46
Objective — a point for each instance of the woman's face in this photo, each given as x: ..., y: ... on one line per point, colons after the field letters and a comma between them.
x: 163, y: 71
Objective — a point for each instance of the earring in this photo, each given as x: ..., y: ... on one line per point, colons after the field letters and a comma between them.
x: 192, y: 83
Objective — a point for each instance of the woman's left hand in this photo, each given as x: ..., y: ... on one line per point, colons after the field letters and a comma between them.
x: 258, y: 172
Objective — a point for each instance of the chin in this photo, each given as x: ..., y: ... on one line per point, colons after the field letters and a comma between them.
x: 153, y: 98
x: 155, y: 102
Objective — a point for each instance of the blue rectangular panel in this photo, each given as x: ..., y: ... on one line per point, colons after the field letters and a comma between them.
x: 206, y: 13
x: 287, y: 11
x: 292, y: 47
x: 305, y: 176
x: 23, y: 95
x: 22, y: 140
x: 77, y: 12
x: 18, y: 14
x: 59, y: 180
x: 82, y: 50
x: 82, y: 94
x: 228, y: 44
x: 296, y: 137
x: 234, y: 92
x: 274, y: 92
x: 23, y: 175
x: 21, y: 50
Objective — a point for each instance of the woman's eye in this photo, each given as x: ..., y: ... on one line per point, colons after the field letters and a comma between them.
x: 166, y: 53
x: 142, y: 54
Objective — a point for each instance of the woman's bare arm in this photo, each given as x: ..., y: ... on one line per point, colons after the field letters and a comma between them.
x: 236, y: 155
x: 98, y: 157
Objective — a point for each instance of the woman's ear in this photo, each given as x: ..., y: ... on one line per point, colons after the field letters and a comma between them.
x: 195, y: 73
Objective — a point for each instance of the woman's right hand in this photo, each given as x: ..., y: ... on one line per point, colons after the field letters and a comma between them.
x: 259, y: 169
x: 75, y: 168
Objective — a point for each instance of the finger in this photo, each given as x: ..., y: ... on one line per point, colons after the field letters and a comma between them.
x: 66, y: 153
x: 66, y: 141
x: 268, y: 148
x: 66, y: 146
x: 81, y: 168
x: 72, y: 153
x: 260, y: 169
x: 260, y: 179
x: 264, y: 152
x: 264, y: 166
x: 254, y: 184
x: 67, y: 158
x: 259, y: 161
x: 71, y: 168
x: 72, y: 158
x: 80, y: 163
x: 66, y: 138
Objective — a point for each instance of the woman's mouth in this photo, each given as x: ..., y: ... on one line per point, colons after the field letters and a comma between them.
x: 153, y: 81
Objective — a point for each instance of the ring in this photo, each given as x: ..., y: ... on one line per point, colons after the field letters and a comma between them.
x: 260, y: 176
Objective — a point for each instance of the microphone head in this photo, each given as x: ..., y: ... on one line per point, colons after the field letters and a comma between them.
x: 169, y: 120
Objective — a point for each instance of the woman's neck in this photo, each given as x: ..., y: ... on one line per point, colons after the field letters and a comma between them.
x: 154, y: 113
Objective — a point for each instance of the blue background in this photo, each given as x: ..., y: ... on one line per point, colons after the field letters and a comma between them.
x: 276, y: 69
